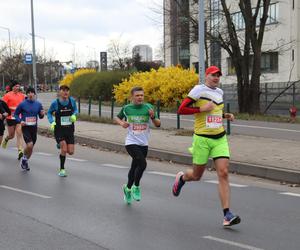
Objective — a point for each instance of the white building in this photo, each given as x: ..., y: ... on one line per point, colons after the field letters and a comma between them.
x: 145, y: 52
x: 280, y: 60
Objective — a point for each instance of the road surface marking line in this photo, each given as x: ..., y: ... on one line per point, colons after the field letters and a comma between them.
x: 231, y: 184
x: 232, y: 243
x: 75, y: 159
x: 260, y: 127
x: 290, y: 194
x: 25, y: 192
x: 161, y: 173
x: 113, y: 166
x: 42, y: 153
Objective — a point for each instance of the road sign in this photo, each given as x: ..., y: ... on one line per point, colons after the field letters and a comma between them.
x: 28, y: 58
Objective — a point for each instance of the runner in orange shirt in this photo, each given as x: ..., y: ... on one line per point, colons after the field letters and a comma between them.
x: 13, y: 99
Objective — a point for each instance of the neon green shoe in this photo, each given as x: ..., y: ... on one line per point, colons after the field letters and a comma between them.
x: 20, y: 154
x: 127, y: 194
x: 62, y: 173
x: 4, y: 143
x: 136, y: 193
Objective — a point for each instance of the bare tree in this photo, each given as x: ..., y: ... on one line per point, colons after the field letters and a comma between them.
x: 119, y: 54
x: 244, y: 46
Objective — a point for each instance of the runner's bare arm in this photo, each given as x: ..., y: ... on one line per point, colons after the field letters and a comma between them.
x: 122, y: 123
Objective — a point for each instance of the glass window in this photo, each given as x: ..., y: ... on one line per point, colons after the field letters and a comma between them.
x: 239, y: 22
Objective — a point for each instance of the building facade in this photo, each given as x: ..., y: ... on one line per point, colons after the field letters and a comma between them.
x: 145, y: 52
x: 280, y: 61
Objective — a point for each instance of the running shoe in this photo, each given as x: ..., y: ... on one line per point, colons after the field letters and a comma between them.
x: 62, y: 173
x: 136, y: 193
x: 127, y: 194
x: 178, y: 184
x: 20, y: 154
x: 4, y: 143
x: 23, y: 164
x: 230, y: 219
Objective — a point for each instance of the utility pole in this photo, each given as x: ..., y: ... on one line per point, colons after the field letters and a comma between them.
x: 33, y: 49
x: 201, y: 41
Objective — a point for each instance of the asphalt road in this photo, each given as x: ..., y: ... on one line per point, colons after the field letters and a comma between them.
x: 40, y: 210
x: 284, y: 131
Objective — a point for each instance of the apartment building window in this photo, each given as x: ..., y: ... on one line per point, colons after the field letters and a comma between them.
x: 214, y: 16
x: 269, y: 63
x: 239, y: 22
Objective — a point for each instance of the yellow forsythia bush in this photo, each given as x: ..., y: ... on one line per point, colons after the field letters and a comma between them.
x: 69, y: 77
x: 165, y: 84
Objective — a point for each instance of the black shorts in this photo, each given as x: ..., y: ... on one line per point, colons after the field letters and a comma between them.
x: 2, y: 128
x: 64, y: 134
x: 11, y: 122
x: 29, y: 134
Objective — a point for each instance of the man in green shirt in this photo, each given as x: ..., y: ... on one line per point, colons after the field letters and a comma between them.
x: 135, y: 117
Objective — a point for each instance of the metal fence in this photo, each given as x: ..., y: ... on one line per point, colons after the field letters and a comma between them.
x: 279, y: 97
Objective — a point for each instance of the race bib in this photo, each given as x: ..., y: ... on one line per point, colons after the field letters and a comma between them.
x: 214, y: 121
x: 30, y: 121
x: 139, y: 128
x: 65, y: 120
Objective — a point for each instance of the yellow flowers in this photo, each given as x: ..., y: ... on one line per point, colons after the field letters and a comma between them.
x: 165, y: 84
x: 69, y: 78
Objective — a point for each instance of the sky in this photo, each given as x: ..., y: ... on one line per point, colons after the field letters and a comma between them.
x: 84, y: 25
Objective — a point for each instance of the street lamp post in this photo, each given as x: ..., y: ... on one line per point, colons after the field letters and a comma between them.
x: 74, y: 50
x: 33, y: 49
x: 9, y: 41
x: 201, y: 38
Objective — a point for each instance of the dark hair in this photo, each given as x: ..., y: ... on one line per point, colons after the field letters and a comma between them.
x: 134, y: 89
x: 30, y: 90
x: 64, y: 87
x: 13, y: 83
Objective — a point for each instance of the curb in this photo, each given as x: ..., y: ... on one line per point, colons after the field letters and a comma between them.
x: 284, y: 175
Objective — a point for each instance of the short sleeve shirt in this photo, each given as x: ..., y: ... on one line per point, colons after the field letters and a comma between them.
x: 138, y: 118
x: 208, y: 123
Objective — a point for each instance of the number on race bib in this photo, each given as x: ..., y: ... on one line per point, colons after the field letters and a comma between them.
x: 30, y: 121
x: 214, y: 121
x: 65, y: 120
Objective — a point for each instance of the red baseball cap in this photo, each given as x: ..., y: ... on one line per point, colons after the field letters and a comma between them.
x: 212, y: 70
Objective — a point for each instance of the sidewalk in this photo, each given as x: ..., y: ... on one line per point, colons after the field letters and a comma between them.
x: 258, y: 156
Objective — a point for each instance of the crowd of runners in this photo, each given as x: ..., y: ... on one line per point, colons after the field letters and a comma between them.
x: 20, y: 112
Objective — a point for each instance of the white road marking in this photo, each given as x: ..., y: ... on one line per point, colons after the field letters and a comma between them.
x: 75, y: 159
x: 231, y: 184
x: 113, y: 166
x: 25, y: 192
x: 290, y: 194
x: 42, y: 153
x: 232, y: 243
x: 161, y: 173
x: 270, y: 128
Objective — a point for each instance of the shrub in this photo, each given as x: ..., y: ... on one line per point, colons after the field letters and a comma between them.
x: 97, y: 84
x: 69, y: 77
x: 165, y: 84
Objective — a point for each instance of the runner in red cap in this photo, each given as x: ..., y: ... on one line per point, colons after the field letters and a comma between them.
x: 205, y: 101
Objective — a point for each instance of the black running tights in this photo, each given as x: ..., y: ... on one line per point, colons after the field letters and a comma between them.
x: 138, y: 165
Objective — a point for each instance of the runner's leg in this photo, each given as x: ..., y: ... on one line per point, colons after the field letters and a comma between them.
x: 19, y: 137
x: 134, y: 164
x: 222, y: 165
